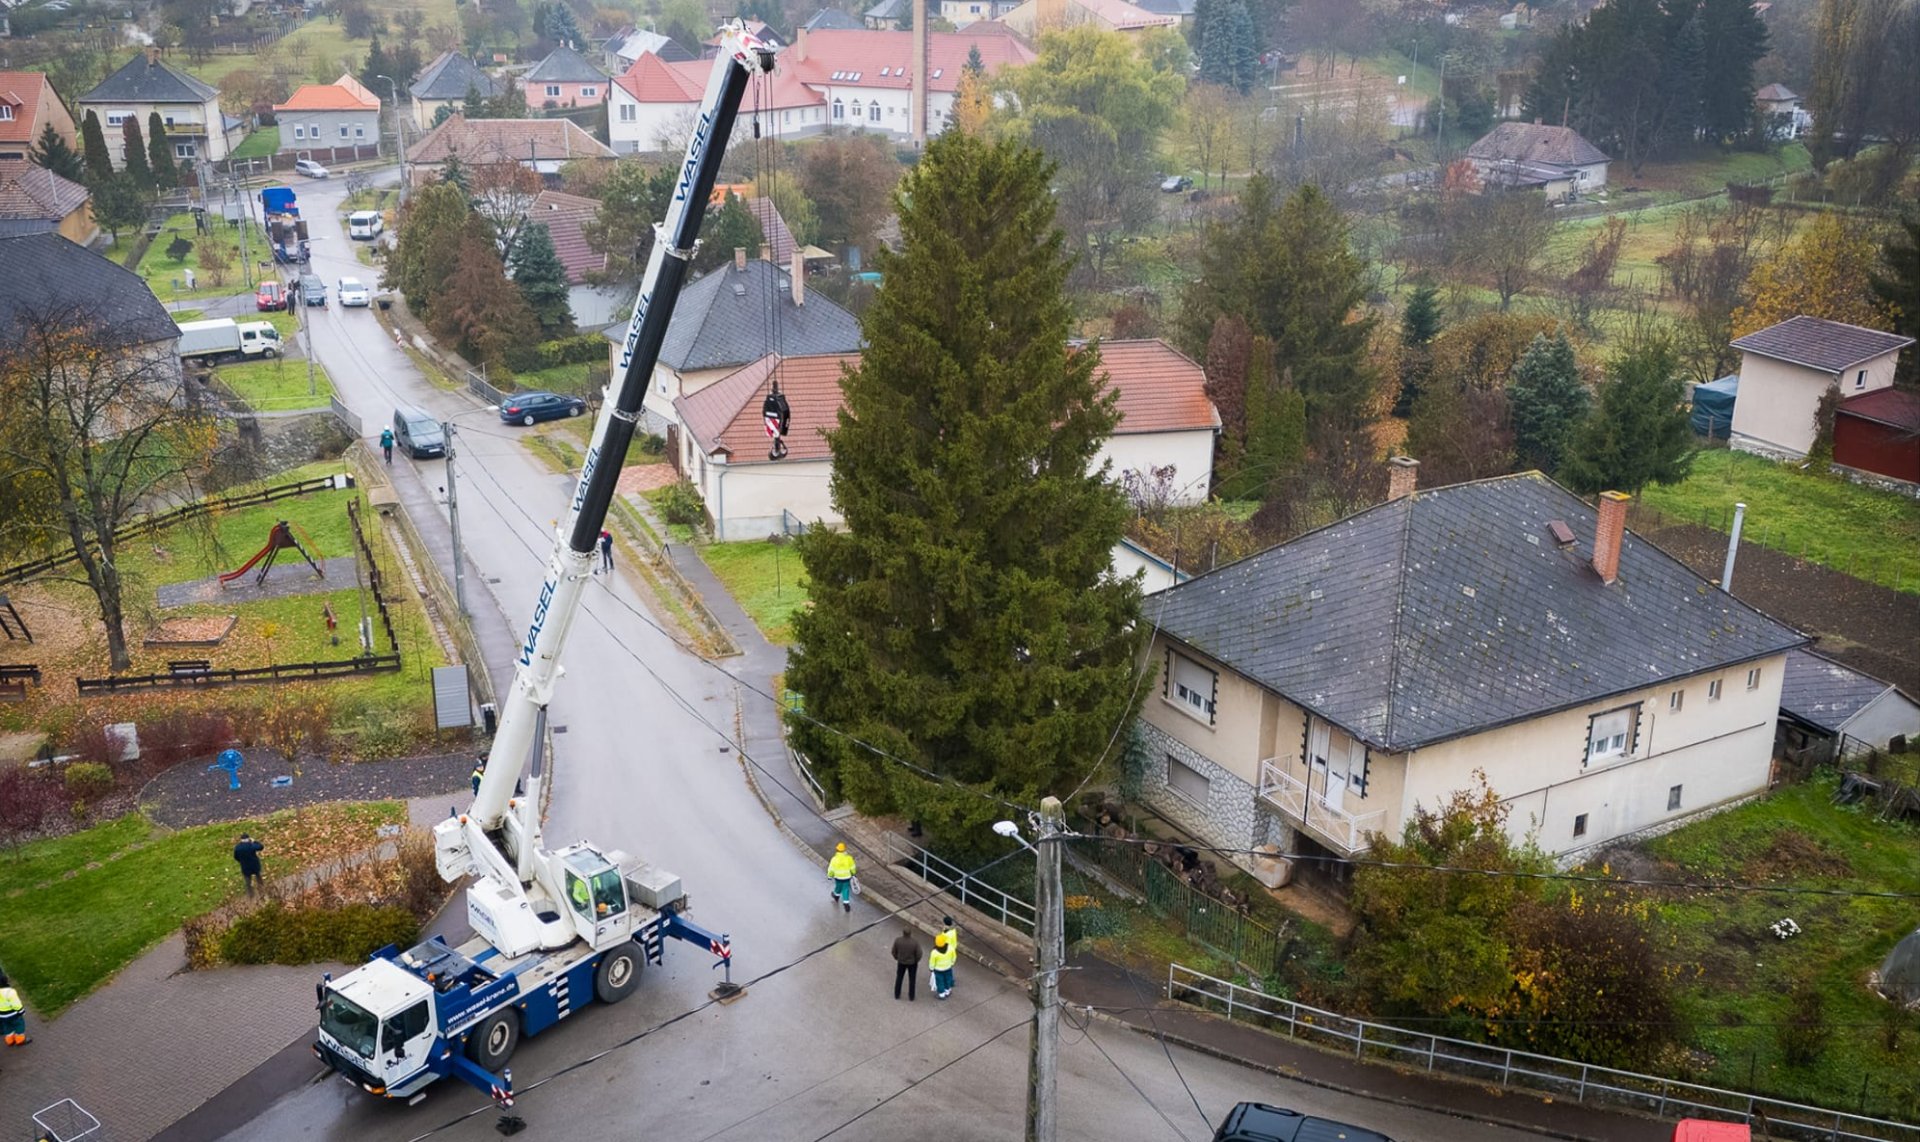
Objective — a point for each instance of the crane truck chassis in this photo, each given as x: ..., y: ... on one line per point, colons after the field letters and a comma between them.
x: 554, y: 929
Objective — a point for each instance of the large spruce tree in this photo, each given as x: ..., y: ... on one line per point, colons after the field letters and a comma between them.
x: 965, y: 620
x: 53, y: 153
x: 1548, y: 401
x: 542, y: 279
x: 94, y: 147
x: 1638, y: 433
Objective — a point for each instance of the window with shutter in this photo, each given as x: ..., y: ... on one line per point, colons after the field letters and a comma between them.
x: 1194, y: 687
x: 1611, y: 736
x: 1187, y: 781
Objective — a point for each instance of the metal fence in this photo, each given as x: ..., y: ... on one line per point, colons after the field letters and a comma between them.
x: 958, y: 883
x: 805, y: 769
x: 1560, y: 1078
x: 347, y: 417
x: 791, y: 524
x: 1201, y: 917
x: 479, y: 386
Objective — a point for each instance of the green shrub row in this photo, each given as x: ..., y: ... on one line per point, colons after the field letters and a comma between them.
x: 586, y: 347
x: 277, y: 934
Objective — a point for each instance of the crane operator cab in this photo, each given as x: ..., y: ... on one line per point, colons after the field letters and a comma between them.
x: 596, y: 896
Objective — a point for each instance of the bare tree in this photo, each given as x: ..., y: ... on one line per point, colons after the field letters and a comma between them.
x: 97, y: 421
x: 503, y: 194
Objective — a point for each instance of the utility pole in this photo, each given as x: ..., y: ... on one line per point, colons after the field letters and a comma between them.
x: 453, y: 516
x: 1049, y: 938
x: 306, y: 327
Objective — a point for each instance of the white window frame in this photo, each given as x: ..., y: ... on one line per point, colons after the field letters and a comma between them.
x: 629, y: 113
x: 118, y: 118
x: 589, y: 92
x: 299, y: 132
x: 1192, y: 688
x: 873, y: 111
x: 1611, y: 734
x: 1713, y: 690
x: 6, y: 112
x: 1180, y: 774
x: 1753, y: 678
x: 839, y: 110
x: 359, y: 131
x: 186, y: 151
x: 553, y: 91
x: 343, y: 130
x: 1860, y: 379
x: 1676, y: 700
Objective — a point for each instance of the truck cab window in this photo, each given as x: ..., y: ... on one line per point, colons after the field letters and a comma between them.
x: 399, y: 1029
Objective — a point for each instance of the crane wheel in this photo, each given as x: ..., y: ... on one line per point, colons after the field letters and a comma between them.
x: 617, y: 974
x: 491, y: 1044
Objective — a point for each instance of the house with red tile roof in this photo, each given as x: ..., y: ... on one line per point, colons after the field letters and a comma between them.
x: 28, y: 106
x: 338, y: 114
x: 34, y: 200
x: 830, y: 77
x: 566, y: 216
x: 1166, y: 421
x: 1036, y: 16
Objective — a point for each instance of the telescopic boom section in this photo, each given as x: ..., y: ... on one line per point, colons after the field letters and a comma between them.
x: 742, y: 56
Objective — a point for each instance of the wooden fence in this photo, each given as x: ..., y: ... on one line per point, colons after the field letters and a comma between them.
x: 147, y: 525
x: 277, y: 672
x: 375, y: 580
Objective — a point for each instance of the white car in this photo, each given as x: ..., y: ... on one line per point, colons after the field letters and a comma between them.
x: 309, y: 168
x: 353, y: 291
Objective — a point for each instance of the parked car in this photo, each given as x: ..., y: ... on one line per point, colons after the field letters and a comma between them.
x: 309, y: 168
x: 525, y: 408
x: 270, y: 295
x: 365, y: 225
x: 313, y: 291
x: 417, y: 433
x: 353, y: 291
x: 1175, y: 183
x: 1258, y: 1122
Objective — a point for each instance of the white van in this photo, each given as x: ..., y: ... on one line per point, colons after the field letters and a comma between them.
x: 365, y: 225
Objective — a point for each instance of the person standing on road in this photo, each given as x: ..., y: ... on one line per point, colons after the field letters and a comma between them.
x: 906, y: 962
x: 952, y: 932
x: 13, y: 1014
x: 247, y: 854
x: 386, y: 444
x: 840, y: 871
x: 606, y: 550
x: 479, y: 773
x: 941, y: 961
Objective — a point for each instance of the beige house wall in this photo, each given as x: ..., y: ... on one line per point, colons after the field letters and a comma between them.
x: 1778, y: 400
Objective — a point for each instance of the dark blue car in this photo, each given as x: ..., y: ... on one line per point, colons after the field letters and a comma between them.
x: 526, y: 408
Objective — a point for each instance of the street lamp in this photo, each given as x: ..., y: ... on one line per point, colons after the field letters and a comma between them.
x: 399, y: 132
x: 1050, y: 953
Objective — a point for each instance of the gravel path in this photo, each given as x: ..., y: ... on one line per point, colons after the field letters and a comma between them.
x: 188, y: 794
x: 289, y: 576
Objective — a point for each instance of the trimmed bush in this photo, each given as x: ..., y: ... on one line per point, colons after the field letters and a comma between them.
x: 89, y: 780
x: 680, y: 503
x: 278, y: 934
x: 585, y: 348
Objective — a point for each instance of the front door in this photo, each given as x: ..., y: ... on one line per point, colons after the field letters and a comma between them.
x: 1332, y: 764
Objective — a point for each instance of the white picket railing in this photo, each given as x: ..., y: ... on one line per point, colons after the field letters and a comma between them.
x: 1297, y: 805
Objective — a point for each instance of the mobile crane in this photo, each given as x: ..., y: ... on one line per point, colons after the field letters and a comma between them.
x: 555, y: 928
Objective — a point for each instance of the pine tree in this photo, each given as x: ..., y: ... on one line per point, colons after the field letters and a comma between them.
x: 1548, y: 400
x: 542, y: 279
x: 474, y: 106
x: 965, y: 620
x: 160, y: 153
x: 732, y: 227
x: 453, y: 172
x: 53, y: 153
x: 1276, y: 425
x: 1419, y: 323
x: 136, y: 154
x: 1638, y: 433
x: 1899, y: 292
x: 378, y: 65
x: 93, y: 143
x: 975, y: 64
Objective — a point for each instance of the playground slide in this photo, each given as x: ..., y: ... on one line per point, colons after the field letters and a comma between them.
x: 248, y: 565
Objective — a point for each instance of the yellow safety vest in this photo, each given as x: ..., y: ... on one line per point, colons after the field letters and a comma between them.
x: 841, y: 866
x: 942, y: 960
x: 10, y: 1002
x: 953, y: 939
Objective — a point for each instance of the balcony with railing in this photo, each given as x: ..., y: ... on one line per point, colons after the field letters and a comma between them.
x: 1340, y: 830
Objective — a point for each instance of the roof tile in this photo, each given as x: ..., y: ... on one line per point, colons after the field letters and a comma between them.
x: 1825, y: 694
x: 500, y: 140
x: 1816, y: 343
x: 146, y: 79
x: 23, y: 91
x: 1536, y: 143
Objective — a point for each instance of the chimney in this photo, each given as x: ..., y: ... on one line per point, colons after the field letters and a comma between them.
x: 917, y: 97
x: 1609, y: 529
x: 1403, y: 475
x: 799, y: 278
x: 766, y: 252
x: 739, y: 259
x: 798, y: 49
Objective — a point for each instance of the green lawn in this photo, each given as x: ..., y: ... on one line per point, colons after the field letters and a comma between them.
x: 766, y: 579
x: 1733, y: 974
x: 65, y: 935
x: 278, y: 385
x: 162, y: 272
x: 260, y: 144
x: 1865, y: 532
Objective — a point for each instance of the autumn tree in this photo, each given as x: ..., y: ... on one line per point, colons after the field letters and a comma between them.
x: 732, y: 227
x: 1714, y: 252
x: 1208, y: 129
x: 98, y: 422
x: 633, y: 198
x: 421, y: 263
x: 1229, y: 355
x: 1826, y: 270
x: 1548, y: 400
x: 965, y: 620
x: 1460, y: 431
x: 502, y: 195
x: 1897, y: 287
x: 479, y: 310
x: 1866, y: 79
x: 1637, y: 433
x: 850, y: 180
x: 1499, y: 238
x: 216, y: 257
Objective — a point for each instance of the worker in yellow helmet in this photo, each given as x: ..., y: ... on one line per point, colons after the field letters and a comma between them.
x: 840, y: 871
x: 13, y: 1014
x: 941, y: 961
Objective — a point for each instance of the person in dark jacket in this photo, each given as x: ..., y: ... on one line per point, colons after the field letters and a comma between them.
x: 906, y: 962
x: 247, y: 855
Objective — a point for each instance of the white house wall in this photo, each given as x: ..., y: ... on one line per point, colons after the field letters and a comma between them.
x: 746, y: 501
x: 1190, y: 454
x: 196, y: 123
x: 1778, y: 400
x: 1890, y: 714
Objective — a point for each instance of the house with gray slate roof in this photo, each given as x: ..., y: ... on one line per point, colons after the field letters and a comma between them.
x: 189, y: 108
x: 1538, y: 156
x: 734, y: 316
x: 564, y: 79
x: 1786, y: 368
x: 445, y: 83
x: 1824, y: 702
x: 1325, y: 690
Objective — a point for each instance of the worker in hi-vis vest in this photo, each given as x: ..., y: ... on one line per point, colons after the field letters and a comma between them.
x: 13, y: 1014
x: 840, y: 872
x: 941, y: 961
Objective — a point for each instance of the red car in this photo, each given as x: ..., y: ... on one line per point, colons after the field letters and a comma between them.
x: 270, y: 295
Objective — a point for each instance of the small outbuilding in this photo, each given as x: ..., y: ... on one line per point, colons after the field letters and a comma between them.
x: 1823, y: 703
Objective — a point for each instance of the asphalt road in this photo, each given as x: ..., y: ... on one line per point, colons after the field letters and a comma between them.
x: 819, y: 1050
